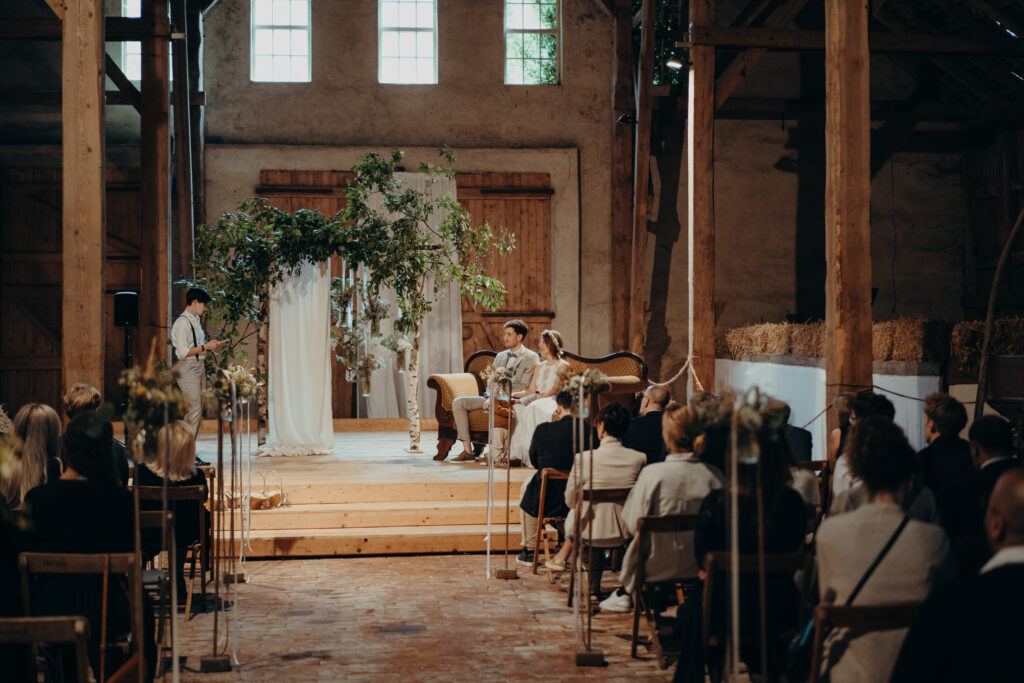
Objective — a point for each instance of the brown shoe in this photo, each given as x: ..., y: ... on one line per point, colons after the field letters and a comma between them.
x: 464, y: 457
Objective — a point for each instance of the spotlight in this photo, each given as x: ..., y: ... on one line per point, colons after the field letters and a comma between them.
x: 626, y: 119
x: 674, y: 63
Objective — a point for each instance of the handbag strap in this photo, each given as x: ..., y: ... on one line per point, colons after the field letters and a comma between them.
x: 878, y: 560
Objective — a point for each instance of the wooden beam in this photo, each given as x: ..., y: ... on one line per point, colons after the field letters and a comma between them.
x: 638, y: 288
x: 745, y: 61
x: 847, y: 198
x: 184, y: 221
x: 52, y: 98
x: 58, y: 8
x: 84, y: 228
x: 123, y: 83
x: 605, y: 5
x: 154, y: 304
x: 623, y: 103
x: 1007, y: 21
x: 700, y: 132
x: 778, y: 39
x: 194, y: 38
x: 117, y: 28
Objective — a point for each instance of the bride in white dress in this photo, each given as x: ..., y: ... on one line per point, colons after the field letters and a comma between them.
x: 538, y: 403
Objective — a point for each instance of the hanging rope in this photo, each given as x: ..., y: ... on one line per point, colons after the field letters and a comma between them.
x: 688, y: 365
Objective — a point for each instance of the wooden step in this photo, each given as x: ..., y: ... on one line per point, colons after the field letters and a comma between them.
x: 406, y: 492
x: 380, y: 541
x: 374, y: 515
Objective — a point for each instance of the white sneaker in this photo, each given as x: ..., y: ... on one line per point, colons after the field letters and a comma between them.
x: 617, y: 603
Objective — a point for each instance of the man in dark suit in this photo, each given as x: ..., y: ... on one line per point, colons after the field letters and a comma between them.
x: 970, y: 629
x: 963, y: 503
x: 644, y: 433
x: 551, y: 446
x: 946, y: 458
x: 799, y: 440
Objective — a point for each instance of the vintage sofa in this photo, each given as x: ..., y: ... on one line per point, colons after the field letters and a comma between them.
x: 626, y: 372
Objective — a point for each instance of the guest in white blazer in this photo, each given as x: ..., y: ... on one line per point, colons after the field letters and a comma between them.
x: 676, y: 486
x: 611, y: 466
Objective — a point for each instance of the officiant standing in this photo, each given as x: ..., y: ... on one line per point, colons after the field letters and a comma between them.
x: 190, y: 349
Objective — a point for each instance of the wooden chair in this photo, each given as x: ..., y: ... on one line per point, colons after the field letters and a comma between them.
x: 196, y: 551
x: 646, y: 527
x: 33, y: 630
x: 595, y: 497
x: 159, y: 580
x: 720, y: 563
x: 124, y: 564
x: 546, y: 474
x: 863, y: 619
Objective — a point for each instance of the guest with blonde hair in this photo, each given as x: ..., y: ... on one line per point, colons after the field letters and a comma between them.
x: 38, y: 427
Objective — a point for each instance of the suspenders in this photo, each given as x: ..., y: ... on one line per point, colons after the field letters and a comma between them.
x: 195, y: 340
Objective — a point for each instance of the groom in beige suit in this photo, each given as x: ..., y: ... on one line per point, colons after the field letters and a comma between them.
x: 515, y: 355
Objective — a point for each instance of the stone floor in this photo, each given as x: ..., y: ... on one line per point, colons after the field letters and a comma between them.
x: 418, y: 618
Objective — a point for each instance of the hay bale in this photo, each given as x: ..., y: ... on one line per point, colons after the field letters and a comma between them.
x: 775, y: 338
x: 1008, y: 337
x: 882, y: 339
x: 908, y: 339
x: 807, y: 340
x: 965, y: 344
x: 741, y: 342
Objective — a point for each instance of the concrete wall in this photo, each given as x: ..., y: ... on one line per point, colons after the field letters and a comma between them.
x: 344, y: 110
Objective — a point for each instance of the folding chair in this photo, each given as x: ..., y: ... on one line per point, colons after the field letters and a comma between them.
x: 863, y: 618
x: 720, y: 563
x: 646, y: 527
x: 595, y: 498
x: 198, y: 550
x: 32, y: 564
x: 33, y: 630
x: 546, y: 474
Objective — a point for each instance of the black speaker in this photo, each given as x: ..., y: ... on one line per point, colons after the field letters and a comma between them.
x: 126, y: 309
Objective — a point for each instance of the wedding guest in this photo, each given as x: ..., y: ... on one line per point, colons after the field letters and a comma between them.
x: 947, y: 458
x: 190, y: 349
x: 798, y: 448
x: 552, y: 446
x: 611, y: 466
x: 538, y: 404
x: 865, y: 404
x: 784, y: 530
x: 176, y: 444
x: 521, y: 359
x: 971, y: 629
x: 676, y: 486
x: 38, y: 427
x: 84, y: 511
x: 843, y: 405
x: 848, y: 544
x: 645, y: 433
x: 82, y: 398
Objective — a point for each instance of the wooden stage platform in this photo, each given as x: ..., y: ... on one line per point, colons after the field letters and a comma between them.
x: 373, y: 497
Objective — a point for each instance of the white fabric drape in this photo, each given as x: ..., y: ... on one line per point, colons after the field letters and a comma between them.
x: 299, y: 419
x: 440, y: 336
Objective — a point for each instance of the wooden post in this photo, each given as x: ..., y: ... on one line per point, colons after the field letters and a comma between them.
x: 700, y: 131
x: 84, y: 229
x: 641, y: 176
x: 622, y: 171
x: 183, y: 204
x: 154, y: 303
x: 194, y: 38
x: 847, y: 198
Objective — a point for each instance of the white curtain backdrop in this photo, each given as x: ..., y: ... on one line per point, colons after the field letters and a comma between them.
x: 440, y: 337
x: 299, y: 408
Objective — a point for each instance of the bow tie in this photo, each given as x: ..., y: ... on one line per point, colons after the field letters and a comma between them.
x: 511, y: 355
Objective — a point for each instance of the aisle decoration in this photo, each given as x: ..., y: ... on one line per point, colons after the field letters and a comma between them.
x: 154, y: 400
x: 582, y: 385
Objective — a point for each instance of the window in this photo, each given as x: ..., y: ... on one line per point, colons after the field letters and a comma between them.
x: 131, y: 51
x: 531, y: 42
x: 407, y: 41
x: 280, y: 41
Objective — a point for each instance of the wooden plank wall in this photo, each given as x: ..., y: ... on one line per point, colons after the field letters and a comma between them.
x: 31, y: 280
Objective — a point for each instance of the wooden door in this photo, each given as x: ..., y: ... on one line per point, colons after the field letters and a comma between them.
x: 321, y: 191
x: 521, y: 203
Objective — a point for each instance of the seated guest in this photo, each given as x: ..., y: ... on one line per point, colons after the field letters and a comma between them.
x: 85, y: 511
x: 84, y: 399
x: 785, y: 524
x: 866, y: 404
x: 963, y: 502
x: 38, y: 427
x: 644, y: 433
x: 947, y: 458
x: 676, y: 486
x: 612, y: 466
x: 843, y: 405
x: 971, y: 629
x: 178, y: 442
x: 552, y: 446
x: 848, y: 544
x: 798, y: 449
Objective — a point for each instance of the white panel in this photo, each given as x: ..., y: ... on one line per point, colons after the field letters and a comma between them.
x: 300, y: 69
x: 282, y: 41
x: 389, y: 70
x: 407, y: 15
x: 300, y: 12
x: 263, y: 69
x: 263, y: 42
x: 389, y: 44
x: 407, y: 44
x: 282, y: 68
x: 300, y: 42
x: 282, y: 12
x: 425, y: 46
x: 389, y: 14
x: 263, y: 12
x: 425, y: 15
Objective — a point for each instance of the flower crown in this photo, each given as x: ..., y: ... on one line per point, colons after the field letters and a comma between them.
x: 553, y: 337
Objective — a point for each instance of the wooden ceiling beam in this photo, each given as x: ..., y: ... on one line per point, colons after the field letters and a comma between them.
x: 996, y: 14
x: 117, y: 28
x: 123, y: 83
